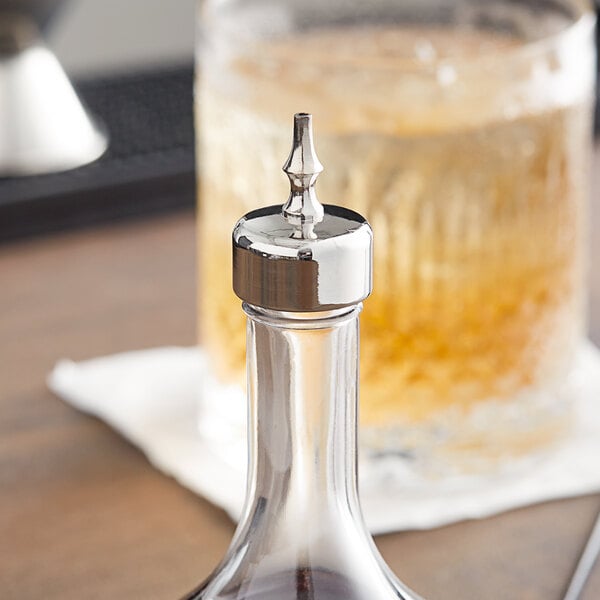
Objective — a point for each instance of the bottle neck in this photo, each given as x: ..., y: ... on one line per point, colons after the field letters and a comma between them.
x: 303, y: 385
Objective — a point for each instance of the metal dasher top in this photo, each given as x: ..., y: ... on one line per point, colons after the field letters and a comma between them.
x: 304, y: 257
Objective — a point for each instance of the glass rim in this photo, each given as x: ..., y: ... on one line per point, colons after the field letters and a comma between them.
x: 579, y: 27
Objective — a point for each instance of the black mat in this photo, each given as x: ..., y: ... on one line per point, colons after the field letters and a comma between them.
x: 148, y: 168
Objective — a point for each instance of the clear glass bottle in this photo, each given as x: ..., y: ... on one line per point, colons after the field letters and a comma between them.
x: 303, y: 273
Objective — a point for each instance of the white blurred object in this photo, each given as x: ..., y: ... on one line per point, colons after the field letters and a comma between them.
x: 44, y: 127
x: 150, y: 397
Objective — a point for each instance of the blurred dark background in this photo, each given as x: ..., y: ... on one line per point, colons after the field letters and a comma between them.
x: 132, y: 64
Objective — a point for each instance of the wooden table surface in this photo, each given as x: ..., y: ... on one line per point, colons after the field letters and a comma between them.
x: 82, y: 513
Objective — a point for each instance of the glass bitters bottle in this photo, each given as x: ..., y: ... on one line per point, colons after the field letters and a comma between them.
x: 302, y: 272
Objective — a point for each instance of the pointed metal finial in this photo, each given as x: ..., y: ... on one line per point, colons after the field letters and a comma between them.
x: 303, y: 209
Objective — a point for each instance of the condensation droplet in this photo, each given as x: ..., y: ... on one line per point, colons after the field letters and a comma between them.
x: 446, y: 75
x: 425, y: 51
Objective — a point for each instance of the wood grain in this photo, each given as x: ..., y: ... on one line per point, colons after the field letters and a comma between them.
x: 83, y: 515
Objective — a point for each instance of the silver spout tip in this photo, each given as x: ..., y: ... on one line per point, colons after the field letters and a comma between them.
x: 303, y: 160
x: 303, y: 210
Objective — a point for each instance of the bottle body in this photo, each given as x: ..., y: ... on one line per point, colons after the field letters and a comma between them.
x: 302, y: 534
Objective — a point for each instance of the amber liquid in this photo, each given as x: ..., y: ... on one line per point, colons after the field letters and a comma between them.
x: 476, y: 197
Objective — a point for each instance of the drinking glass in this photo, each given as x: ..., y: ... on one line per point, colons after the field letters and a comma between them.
x: 462, y: 130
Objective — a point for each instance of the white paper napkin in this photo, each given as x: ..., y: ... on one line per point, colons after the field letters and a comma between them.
x: 150, y: 397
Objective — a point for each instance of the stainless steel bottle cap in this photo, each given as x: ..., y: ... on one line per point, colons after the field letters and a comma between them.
x: 304, y: 257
